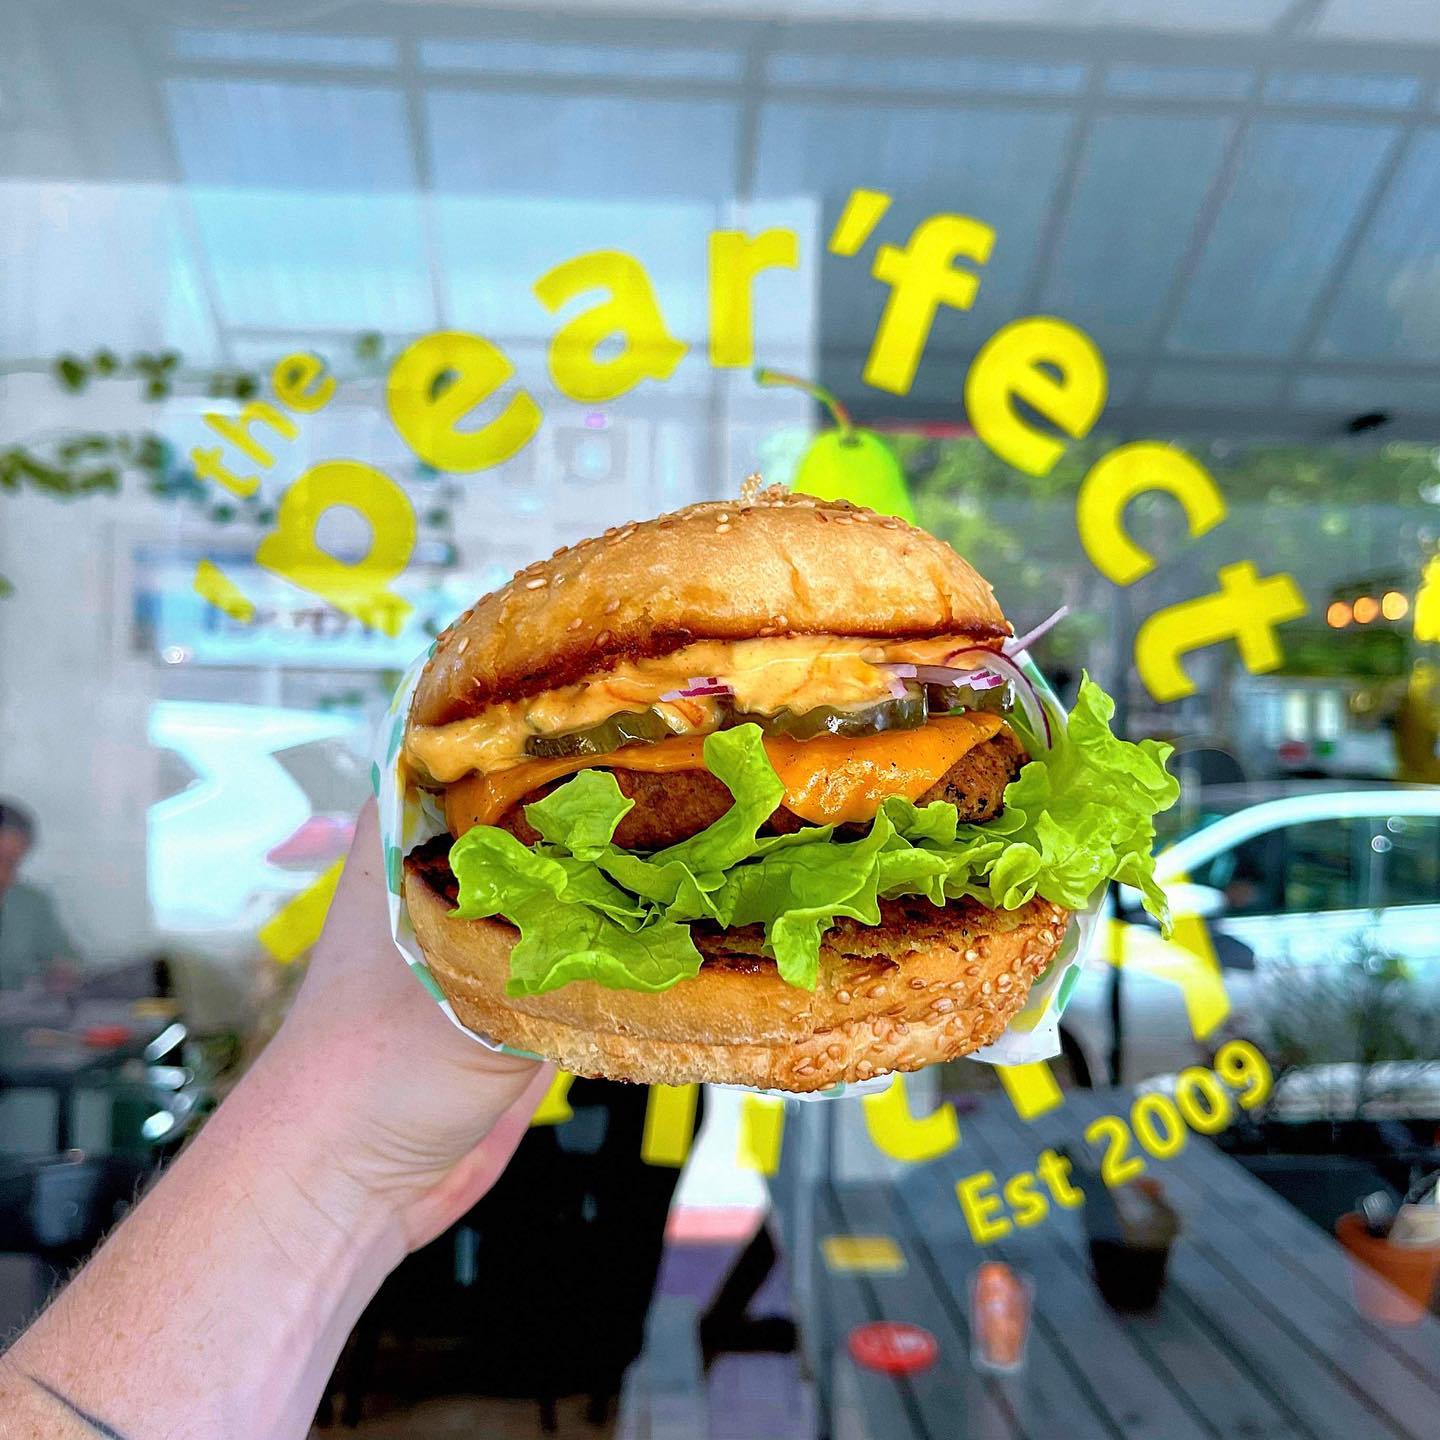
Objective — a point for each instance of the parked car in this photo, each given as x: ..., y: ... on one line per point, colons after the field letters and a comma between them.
x: 1281, y: 875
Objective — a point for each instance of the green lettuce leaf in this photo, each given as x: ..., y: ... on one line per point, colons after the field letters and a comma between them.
x: 581, y: 816
x: 1080, y: 815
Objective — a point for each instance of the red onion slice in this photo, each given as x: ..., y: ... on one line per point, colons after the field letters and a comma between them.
x: 697, y: 687
x: 1025, y: 693
x: 979, y: 679
x: 1018, y: 643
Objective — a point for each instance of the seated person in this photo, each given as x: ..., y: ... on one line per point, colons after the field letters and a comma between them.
x: 34, y: 948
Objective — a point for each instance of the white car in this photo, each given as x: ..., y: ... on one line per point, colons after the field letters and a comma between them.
x: 1278, y: 875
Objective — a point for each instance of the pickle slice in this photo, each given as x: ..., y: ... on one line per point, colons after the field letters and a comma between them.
x: 906, y: 712
x: 951, y: 699
x: 626, y: 728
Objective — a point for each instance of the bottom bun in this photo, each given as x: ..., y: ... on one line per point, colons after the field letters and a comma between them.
x: 927, y: 984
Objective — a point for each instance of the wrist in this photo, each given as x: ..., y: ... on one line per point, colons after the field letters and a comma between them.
x: 288, y: 1137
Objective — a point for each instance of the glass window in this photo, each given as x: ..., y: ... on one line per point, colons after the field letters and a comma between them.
x: 1322, y: 865
x: 1407, y: 850
x: 1249, y: 876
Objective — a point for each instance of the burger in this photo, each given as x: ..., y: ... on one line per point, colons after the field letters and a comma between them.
x: 757, y: 793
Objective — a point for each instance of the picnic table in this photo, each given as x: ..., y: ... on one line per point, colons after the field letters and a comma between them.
x: 1256, y: 1334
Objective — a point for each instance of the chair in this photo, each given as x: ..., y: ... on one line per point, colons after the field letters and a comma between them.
x: 542, y: 1290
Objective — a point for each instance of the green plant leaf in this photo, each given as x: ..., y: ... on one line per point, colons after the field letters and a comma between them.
x: 72, y: 373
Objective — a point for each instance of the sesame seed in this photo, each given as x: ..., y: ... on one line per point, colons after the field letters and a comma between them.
x: 463, y: 646
x: 782, y: 621
x: 611, y: 606
x: 604, y: 638
x: 1048, y: 936
x: 943, y: 1004
x: 575, y: 624
x: 843, y: 996
x: 864, y: 1068
x: 723, y: 517
x: 972, y: 954
x: 722, y: 529
x: 538, y: 583
x: 917, y: 984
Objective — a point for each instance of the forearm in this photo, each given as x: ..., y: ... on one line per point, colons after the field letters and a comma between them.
x: 219, y: 1307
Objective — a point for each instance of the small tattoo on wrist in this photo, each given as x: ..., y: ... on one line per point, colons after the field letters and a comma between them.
x: 106, y: 1432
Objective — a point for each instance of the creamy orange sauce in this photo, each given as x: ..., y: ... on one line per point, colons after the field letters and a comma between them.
x: 830, y: 780
x: 767, y: 675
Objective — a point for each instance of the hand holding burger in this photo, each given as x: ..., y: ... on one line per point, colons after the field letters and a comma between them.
x: 752, y: 793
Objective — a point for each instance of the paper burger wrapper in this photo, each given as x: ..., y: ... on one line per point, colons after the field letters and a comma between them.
x: 409, y: 816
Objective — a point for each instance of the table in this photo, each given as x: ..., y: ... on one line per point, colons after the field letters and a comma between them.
x: 64, y: 1065
x: 1255, y: 1335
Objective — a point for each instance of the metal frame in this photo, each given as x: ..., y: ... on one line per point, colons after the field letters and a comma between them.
x: 1288, y: 45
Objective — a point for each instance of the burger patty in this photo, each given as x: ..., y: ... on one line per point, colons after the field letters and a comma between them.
x: 672, y: 806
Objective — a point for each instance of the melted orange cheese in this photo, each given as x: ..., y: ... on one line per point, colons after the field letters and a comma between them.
x: 835, y: 779
x: 831, y: 780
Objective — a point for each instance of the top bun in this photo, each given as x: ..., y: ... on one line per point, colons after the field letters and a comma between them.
x: 779, y: 564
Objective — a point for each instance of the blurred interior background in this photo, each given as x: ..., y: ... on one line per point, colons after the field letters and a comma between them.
x: 1240, y: 202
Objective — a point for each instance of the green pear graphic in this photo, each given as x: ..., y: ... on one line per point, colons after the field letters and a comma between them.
x: 847, y: 463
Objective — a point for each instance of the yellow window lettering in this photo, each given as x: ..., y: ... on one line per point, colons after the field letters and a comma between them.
x: 296, y: 926
x: 899, y: 1134
x: 762, y: 1128
x: 922, y: 277
x: 292, y: 551
x: 1427, y: 604
x: 1116, y: 479
x: 1008, y: 368
x: 648, y: 350
x: 1245, y: 609
x: 1032, y: 1088
x: 979, y: 1203
x: 1054, y: 1170
x: 554, y: 1108
x: 213, y: 584
x: 436, y: 382
x: 735, y: 260
x: 293, y: 380
x: 210, y: 465
x: 669, y: 1124
x: 857, y: 222
x: 237, y: 431
x: 1029, y: 1205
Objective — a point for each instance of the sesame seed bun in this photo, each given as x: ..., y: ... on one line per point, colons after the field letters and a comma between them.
x: 926, y: 985
x: 781, y: 564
